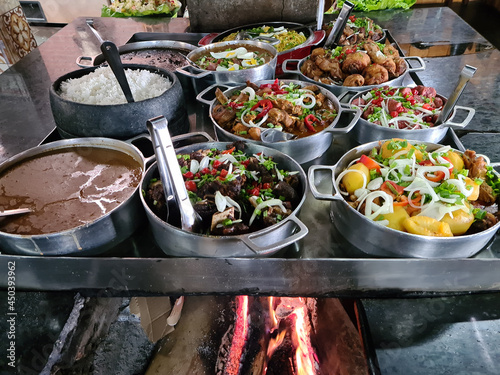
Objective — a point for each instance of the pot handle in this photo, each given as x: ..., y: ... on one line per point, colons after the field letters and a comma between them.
x: 312, y: 183
x: 264, y: 250
x: 200, y: 96
x: 420, y: 61
x: 346, y: 94
x: 207, y: 39
x: 286, y: 70
x: 465, y: 122
x: 80, y: 61
x: 184, y: 70
x: 346, y: 129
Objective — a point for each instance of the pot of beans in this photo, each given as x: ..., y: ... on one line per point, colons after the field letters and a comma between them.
x: 404, y: 112
x: 83, y: 196
x: 413, y: 199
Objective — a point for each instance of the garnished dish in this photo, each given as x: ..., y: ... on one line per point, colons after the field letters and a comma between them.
x: 401, y: 107
x: 233, y: 59
x: 284, y: 106
x: 443, y: 193
x: 234, y: 193
x: 141, y: 8
x: 357, y: 30
x: 288, y: 38
x: 364, y: 64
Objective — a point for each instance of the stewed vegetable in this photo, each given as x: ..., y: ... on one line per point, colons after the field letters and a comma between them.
x: 231, y: 59
x: 440, y: 193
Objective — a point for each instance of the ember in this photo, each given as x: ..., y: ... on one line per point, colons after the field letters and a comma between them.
x: 286, y: 330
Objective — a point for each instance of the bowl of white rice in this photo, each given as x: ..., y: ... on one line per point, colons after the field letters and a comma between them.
x: 90, y: 103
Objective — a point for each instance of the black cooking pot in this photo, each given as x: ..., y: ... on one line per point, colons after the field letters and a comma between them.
x: 120, y: 121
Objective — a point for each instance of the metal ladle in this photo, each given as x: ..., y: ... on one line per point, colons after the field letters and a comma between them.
x: 112, y: 56
x: 272, y: 135
x: 466, y: 74
x: 171, y: 174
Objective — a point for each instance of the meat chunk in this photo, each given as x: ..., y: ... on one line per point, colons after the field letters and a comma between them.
x: 375, y: 75
x: 223, y: 114
x: 475, y: 165
x: 280, y: 117
x: 355, y: 62
x: 354, y: 80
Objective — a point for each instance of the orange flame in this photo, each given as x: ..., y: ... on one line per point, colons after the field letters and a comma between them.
x: 304, y: 355
x: 240, y: 336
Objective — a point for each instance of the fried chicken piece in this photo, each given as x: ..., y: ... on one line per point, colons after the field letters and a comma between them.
x: 390, y: 65
x: 375, y: 74
x: 476, y: 165
x: 355, y: 62
x: 390, y: 51
x: 336, y: 72
x: 309, y: 69
x: 354, y: 80
x: 317, y: 52
x: 373, y: 50
x: 400, y: 66
x: 326, y: 64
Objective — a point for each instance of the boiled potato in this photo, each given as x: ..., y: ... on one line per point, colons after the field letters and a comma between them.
x: 354, y: 180
x: 390, y: 148
x: 427, y: 226
x: 456, y: 160
x: 460, y: 222
x: 396, y: 218
x: 475, y: 193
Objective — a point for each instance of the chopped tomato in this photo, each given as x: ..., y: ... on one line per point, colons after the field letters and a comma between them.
x: 394, y: 114
x: 438, y: 176
x: 414, y: 91
x: 205, y: 171
x: 426, y: 162
x: 230, y: 151
x: 427, y: 106
x: 216, y: 163
x: 223, y: 173
x: 400, y: 200
x: 352, y: 18
x: 191, y: 185
x: 245, y: 162
x: 377, y: 101
x: 213, y: 172
x: 254, y: 192
x: 188, y: 175
x: 449, y: 161
x: 266, y: 185
x: 369, y: 162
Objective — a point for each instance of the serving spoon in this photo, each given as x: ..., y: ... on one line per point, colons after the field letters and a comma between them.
x: 170, y: 173
x: 16, y: 211
x: 339, y: 25
x: 112, y: 56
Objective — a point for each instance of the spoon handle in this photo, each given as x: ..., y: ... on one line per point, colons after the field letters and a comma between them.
x: 112, y: 56
x: 466, y: 74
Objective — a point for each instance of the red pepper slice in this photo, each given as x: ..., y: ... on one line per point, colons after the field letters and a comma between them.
x: 266, y: 105
x: 229, y: 151
x: 309, y: 120
x: 352, y: 18
x: 438, y: 176
x: 369, y: 162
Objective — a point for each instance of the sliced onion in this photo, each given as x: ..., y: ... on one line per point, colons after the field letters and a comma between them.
x: 278, y: 174
x: 205, y: 162
x: 220, y: 201
x: 268, y: 203
x: 195, y: 166
x: 250, y: 91
x: 375, y: 184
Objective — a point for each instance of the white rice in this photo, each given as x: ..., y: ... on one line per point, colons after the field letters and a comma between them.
x: 101, y: 87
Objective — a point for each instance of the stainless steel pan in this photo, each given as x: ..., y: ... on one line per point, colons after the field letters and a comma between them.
x: 378, y: 240
x: 176, y: 242
x: 89, y: 239
x: 301, y: 149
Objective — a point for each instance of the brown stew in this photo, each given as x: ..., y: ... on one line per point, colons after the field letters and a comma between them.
x: 66, y: 188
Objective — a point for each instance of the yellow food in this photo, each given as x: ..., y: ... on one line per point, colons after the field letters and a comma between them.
x: 460, y: 222
x: 394, y: 146
x: 426, y: 226
x: 354, y: 180
x: 471, y: 183
x: 456, y: 160
x: 396, y: 218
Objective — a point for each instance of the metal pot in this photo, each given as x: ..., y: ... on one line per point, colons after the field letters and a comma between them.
x: 204, y: 78
x: 313, y: 38
x: 387, y: 242
x: 121, y: 121
x: 265, y: 242
x: 301, y: 149
x: 338, y: 89
x: 366, y: 131
x: 89, y: 239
